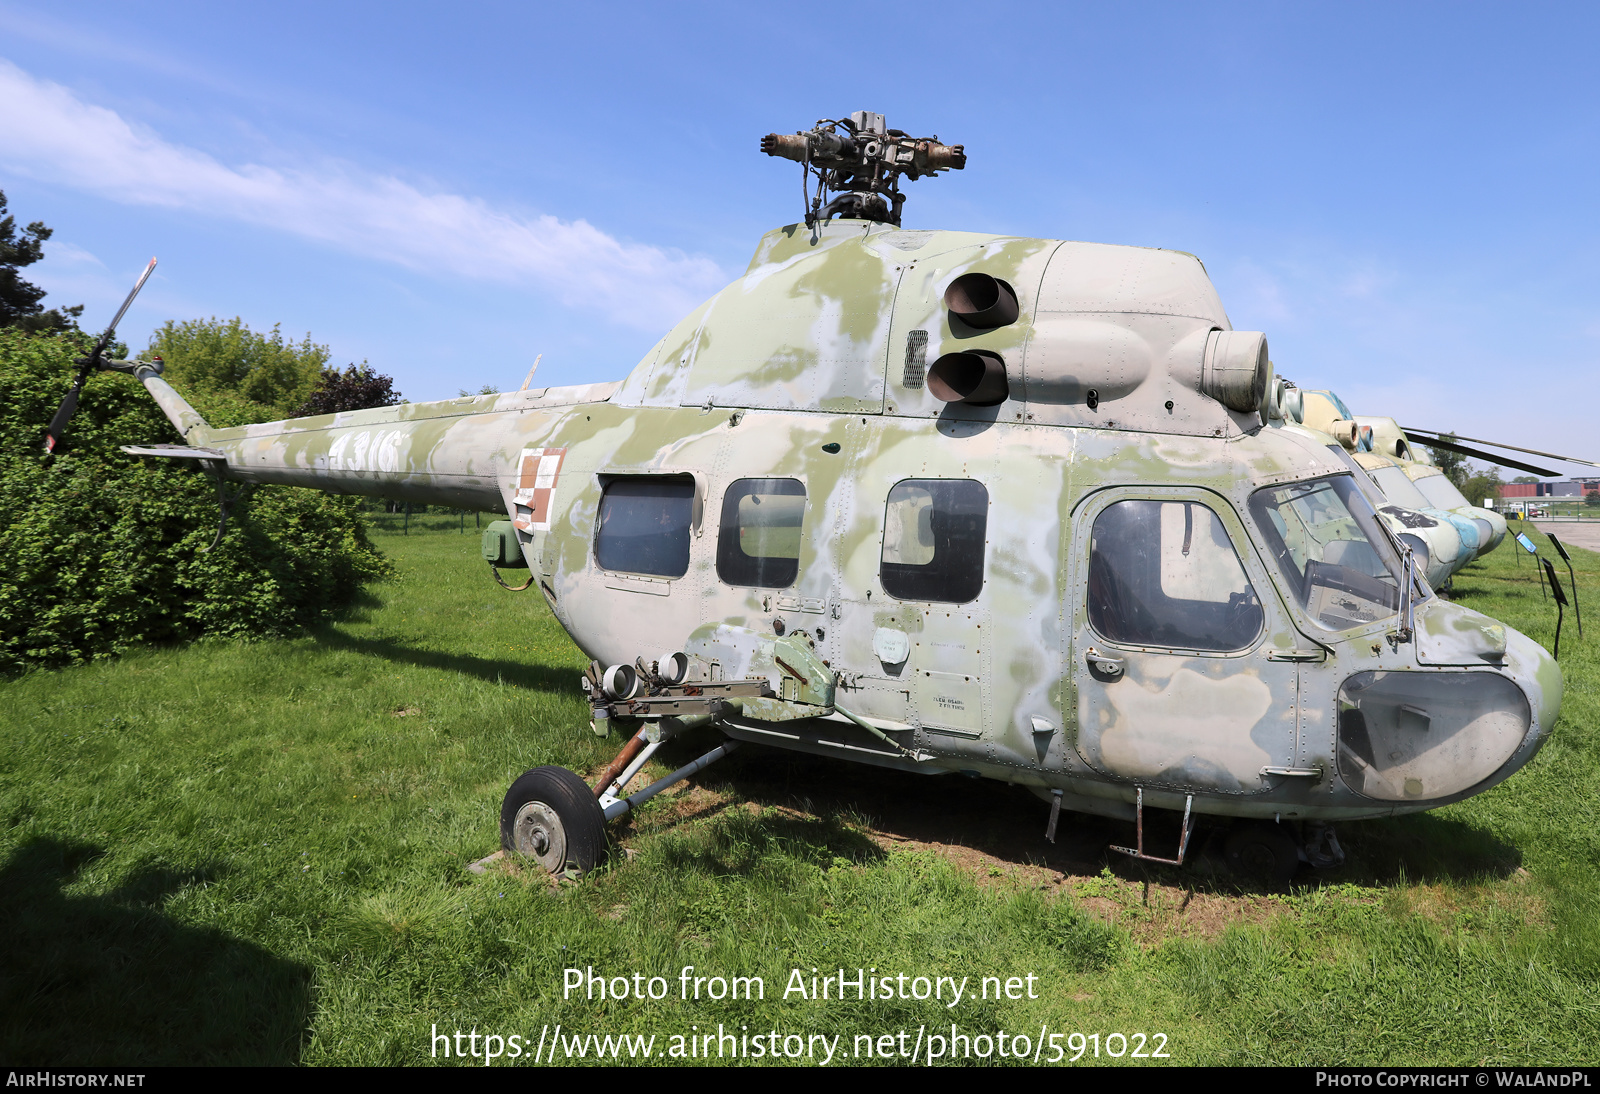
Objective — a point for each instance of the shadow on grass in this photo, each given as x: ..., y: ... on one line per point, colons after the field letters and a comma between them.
x: 111, y: 980
x: 740, y: 841
x: 562, y: 681
x: 1008, y: 824
x: 982, y: 815
x: 360, y: 607
x: 1424, y: 847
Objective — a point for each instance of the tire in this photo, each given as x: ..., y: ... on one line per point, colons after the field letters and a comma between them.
x: 1262, y: 852
x: 551, y: 817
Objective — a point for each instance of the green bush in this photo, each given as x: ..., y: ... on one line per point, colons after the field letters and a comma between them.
x: 100, y: 551
x: 258, y: 376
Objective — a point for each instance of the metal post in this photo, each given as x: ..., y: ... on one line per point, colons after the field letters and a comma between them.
x: 1527, y: 545
x: 1561, y: 603
x: 1562, y: 551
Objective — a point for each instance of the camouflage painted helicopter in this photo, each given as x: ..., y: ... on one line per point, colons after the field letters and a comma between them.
x: 1442, y: 541
x: 1406, y: 474
x: 1435, y: 541
x: 950, y: 502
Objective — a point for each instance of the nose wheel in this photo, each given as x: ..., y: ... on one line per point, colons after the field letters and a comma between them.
x: 551, y: 817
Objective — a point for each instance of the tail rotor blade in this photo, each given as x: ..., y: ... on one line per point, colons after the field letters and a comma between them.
x: 69, y: 405
x: 126, y: 304
x: 64, y: 413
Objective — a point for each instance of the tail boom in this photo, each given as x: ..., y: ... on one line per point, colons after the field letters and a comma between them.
x: 461, y: 453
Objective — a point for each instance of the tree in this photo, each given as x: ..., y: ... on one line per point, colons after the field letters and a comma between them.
x: 353, y: 389
x: 1453, y: 464
x: 234, y: 375
x: 1481, y: 485
x: 19, y: 299
x: 1591, y: 497
x: 1525, y: 478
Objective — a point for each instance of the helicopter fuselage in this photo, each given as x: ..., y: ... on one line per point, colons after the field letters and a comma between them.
x: 1108, y: 583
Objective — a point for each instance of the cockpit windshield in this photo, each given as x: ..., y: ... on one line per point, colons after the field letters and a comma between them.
x: 1442, y: 492
x: 1363, y: 481
x: 1398, y: 487
x: 1328, y: 545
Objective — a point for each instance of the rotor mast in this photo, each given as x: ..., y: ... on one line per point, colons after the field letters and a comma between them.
x: 861, y: 161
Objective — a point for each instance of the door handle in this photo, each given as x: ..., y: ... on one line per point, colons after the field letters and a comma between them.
x: 1309, y: 656
x: 1313, y: 773
x: 1104, y: 662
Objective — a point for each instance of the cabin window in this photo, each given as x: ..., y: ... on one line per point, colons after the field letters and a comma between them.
x: 644, y: 526
x: 758, y: 544
x: 1164, y: 573
x: 933, y: 540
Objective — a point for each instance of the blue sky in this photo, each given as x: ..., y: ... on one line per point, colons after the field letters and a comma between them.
x: 1402, y: 196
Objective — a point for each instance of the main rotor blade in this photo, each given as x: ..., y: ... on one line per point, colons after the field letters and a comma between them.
x: 1482, y: 455
x: 1498, y: 444
x: 128, y: 302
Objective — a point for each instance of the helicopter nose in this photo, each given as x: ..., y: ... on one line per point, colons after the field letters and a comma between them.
x: 1539, y: 676
x: 1471, y: 537
x: 1424, y: 737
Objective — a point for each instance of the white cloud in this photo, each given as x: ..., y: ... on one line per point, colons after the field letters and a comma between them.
x: 63, y: 253
x: 48, y: 133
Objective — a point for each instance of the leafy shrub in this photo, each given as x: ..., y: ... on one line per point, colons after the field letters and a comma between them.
x: 353, y: 389
x: 261, y: 376
x: 100, y: 551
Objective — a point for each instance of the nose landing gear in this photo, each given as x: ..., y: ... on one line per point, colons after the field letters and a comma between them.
x: 551, y: 816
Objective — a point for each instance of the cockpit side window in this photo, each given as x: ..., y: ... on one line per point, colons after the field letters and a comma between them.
x: 1328, y: 545
x: 933, y: 540
x: 1164, y: 573
x: 644, y: 525
x: 758, y: 542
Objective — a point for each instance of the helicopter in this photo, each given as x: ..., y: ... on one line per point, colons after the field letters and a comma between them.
x: 1407, y: 474
x: 1443, y: 539
x: 1436, y: 543
x: 952, y: 503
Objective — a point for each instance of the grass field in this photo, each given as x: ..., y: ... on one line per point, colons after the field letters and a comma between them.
x: 256, y: 853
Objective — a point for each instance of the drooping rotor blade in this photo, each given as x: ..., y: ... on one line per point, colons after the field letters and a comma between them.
x: 1451, y: 446
x: 1498, y: 444
x: 69, y: 405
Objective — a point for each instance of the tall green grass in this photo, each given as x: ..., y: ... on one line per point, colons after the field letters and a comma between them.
x: 256, y: 853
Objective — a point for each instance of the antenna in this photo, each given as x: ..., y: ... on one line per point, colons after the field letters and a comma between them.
x: 531, y: 371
